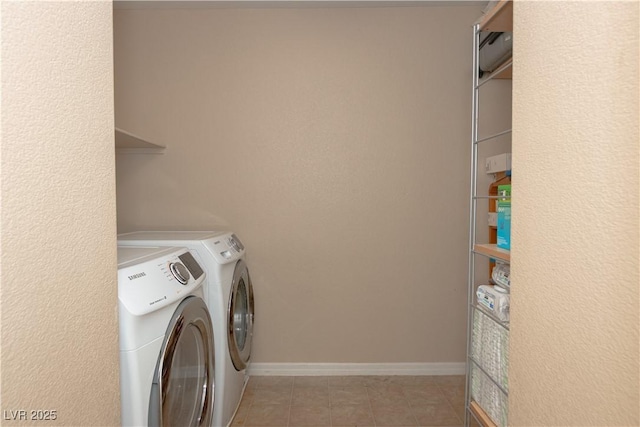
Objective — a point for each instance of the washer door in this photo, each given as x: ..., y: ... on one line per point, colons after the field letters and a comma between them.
x: 183, y: 382
x: 240, y: 317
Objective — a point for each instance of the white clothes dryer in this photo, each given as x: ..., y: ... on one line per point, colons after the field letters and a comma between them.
x: 228, y: 293
x: 167, y: 367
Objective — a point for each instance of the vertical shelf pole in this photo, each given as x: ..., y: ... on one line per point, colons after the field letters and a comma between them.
x: 472, y: 214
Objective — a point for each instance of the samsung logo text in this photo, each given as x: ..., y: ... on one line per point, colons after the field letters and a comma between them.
x: 137, y: 276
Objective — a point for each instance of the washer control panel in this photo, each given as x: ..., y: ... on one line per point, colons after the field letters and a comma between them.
x: 180, y: 272
x: 154, y: 280
x: 226, y: 248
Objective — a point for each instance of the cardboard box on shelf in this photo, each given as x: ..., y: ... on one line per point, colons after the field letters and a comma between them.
x: 499, y: 163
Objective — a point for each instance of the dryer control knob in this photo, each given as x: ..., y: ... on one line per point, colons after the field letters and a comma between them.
x: 180, y: 272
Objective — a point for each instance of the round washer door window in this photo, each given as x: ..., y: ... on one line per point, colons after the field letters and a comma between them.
x: 183, y: 385
x: 241, y: 317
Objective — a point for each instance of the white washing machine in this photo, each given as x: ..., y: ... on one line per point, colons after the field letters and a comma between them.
x: 167, y: 367
x: 229, y: 295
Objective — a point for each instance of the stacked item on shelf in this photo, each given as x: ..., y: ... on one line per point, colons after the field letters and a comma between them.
x: 495, y: 300
x: 495, y: 49
x: 504, y: 217
x: 502, y: 178
x: 500, y: 276
x: 495, y: 39
x: 490, y: 348
x: 490, y: 398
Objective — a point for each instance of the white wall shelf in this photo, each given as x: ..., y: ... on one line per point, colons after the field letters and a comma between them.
x: 128, y: 143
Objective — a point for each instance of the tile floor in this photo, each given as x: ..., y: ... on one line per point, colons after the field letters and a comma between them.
x: 352, y: 401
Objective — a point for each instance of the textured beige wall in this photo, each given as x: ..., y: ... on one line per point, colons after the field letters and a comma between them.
x: 335, y: 142
x: 574, y: 335
x: 59, y: 293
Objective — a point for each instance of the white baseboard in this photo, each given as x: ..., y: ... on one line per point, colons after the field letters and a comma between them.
x: 332, y: 369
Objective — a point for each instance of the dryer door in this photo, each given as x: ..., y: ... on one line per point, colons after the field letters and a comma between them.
x: 183, y: 382
x: 240, y: 317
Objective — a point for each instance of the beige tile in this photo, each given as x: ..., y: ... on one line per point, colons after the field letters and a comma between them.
x: 311, y: 382
x: 393, y: 415
x: 425, y: 380
x: 241, y: 415
x: 450, y: 379
x: 424, y: 395
x: 267, y: 415
x: 335, y: 381
x: 459, y: 410
x: 352, y: 415
x: 386, y: 395
x: 401, y: 380
x: 247, y: 396
x: 404, y: 380
x: 455, y: 397
x: 315, y: 396
x: 352, y: 401
x: 271, y: 381
x: 242, y: 412
x: 310, y: 416
x: 246, y: 400
x: 350, y: 380
x: 275, y: 395
x: 453, y: 392
x: 378, y: 380
x: 436, y: 415
x: 252, y: 383
x: 348, y: 395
